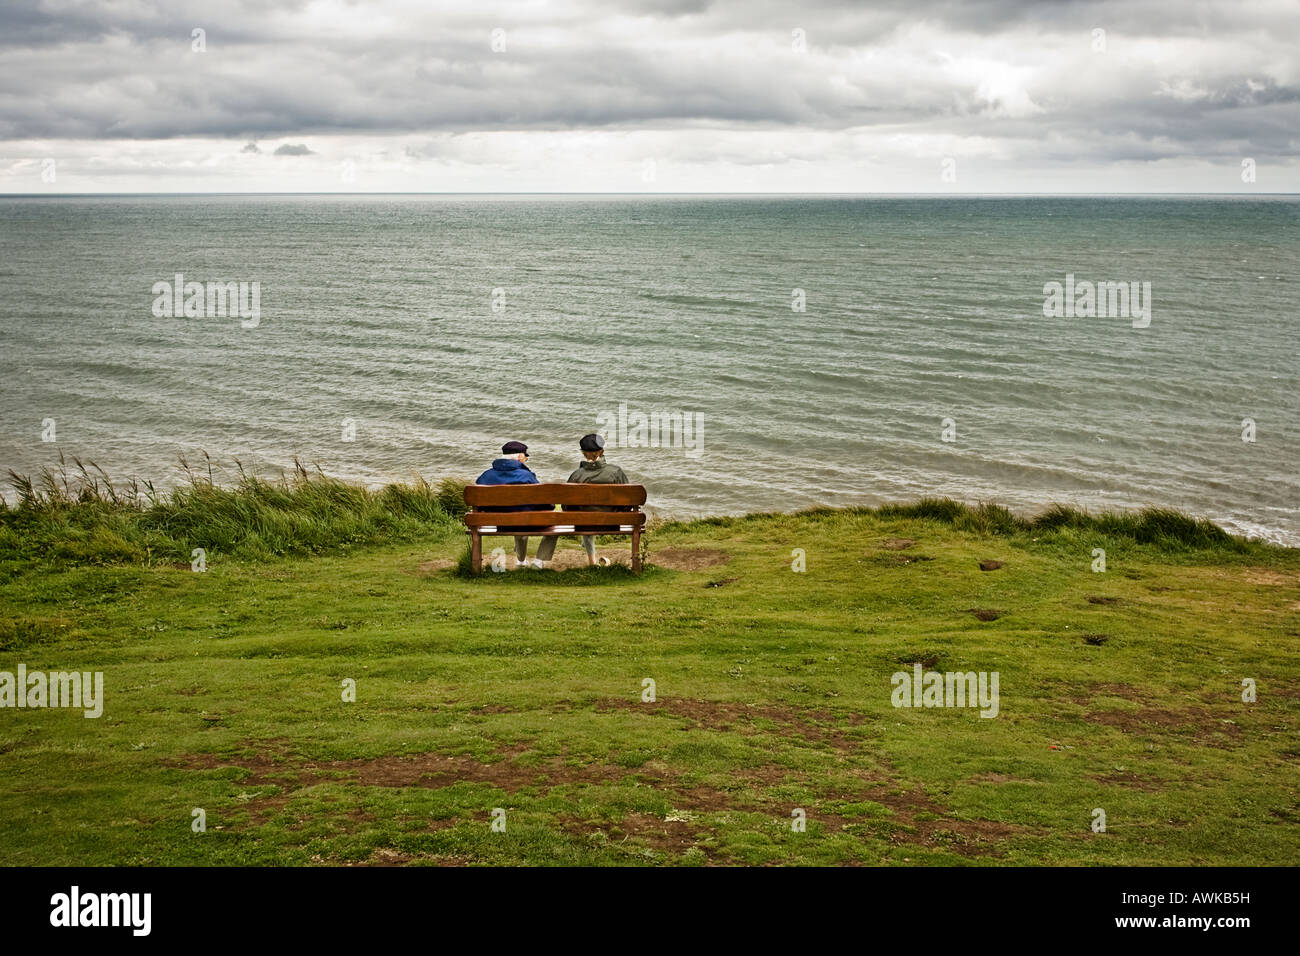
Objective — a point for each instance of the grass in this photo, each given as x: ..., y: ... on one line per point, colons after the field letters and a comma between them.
x: 84, y: 518
x: 1120, y: 690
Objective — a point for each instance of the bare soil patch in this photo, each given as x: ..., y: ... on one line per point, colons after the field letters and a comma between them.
x: 674, y: 559
x: 966, y: 837
x: 689, y: 559
x: 928, y: 662
x: 1204, y: 726
x: 900, y: 559
x: 674, y: 836
x: 385, y: 856
x: 1123, y: 691
x: 1129, y: 780
x: 811, y: 724
x: 1272, y: 578
x: 414, y: 770
x: 566, y: 558
x: 426, y: 568
x: 913, y: 817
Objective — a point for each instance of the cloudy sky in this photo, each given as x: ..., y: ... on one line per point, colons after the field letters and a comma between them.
x: 639, y: 95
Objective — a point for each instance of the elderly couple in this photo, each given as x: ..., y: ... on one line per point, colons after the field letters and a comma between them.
x: 512, y: 469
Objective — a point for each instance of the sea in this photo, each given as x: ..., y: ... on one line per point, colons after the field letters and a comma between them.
x: 740, y: 353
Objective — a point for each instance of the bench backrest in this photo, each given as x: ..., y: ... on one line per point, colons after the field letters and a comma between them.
x: 548, y: 495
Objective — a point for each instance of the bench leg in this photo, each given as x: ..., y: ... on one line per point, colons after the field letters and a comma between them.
x: 475, y: 553
x: 636, y: 551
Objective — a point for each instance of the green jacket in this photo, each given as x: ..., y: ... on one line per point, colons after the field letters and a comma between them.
x: 598, y: 472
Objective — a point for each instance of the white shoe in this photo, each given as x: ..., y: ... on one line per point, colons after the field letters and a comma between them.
x: 539, y: 564
x: 603, y: 561
x: 521, y: 563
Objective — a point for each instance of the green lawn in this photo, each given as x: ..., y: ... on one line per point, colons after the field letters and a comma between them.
x: 522, y: 691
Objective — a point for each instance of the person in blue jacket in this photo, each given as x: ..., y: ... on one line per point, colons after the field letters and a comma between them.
x: 512, y: 469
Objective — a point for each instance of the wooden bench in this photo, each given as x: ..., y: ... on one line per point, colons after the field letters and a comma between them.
x: 617, y: 511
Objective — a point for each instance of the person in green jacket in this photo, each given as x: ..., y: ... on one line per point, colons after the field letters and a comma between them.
x: 594, y: 469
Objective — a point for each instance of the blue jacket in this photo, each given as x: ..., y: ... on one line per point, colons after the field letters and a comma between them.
x: 508, y: 471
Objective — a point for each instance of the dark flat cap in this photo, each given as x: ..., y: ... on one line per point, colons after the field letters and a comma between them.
x: 592, y: 442
x: 514, y: 448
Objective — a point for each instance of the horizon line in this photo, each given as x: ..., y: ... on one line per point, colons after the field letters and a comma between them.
x: 927, y: 195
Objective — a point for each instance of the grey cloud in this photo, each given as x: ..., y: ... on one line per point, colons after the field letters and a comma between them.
x: 289, y: 149
x: 100, y: 70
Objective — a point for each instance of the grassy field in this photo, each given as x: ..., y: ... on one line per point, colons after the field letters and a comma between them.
x: 523, y: 692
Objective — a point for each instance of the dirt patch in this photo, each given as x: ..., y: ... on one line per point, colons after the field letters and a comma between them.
x: 349, y: 822
x: 897, y: 544
x: 566, y: 558
x: 991, y: 565
x: 928, y: 662
x: 998, y: 778
x: 719, y: 583
x: 911, y: 823
x: 415, y: 770
x: 984, y: 614
x: 1098, y: 599
x: 1122, y: 691
x: 1126, y: 691
x: 810, y: 724
x: 1128, y: 780
x: 675, y: 559
x: 426, y: 568
x: 437, y: 771
x: 913, y: 817
x: 900, y: 559
x: 262, y: 809
x: 1201, y: 724
x: 1266, y: 577
x: 1272, y: 578
x: 688, y: 559
x: 385, y: 856
x: 672, y: 834
x: 1095, y: 640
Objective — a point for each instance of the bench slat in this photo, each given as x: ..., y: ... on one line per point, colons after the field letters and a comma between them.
x: 478, y: 496
x: 547, y: 519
